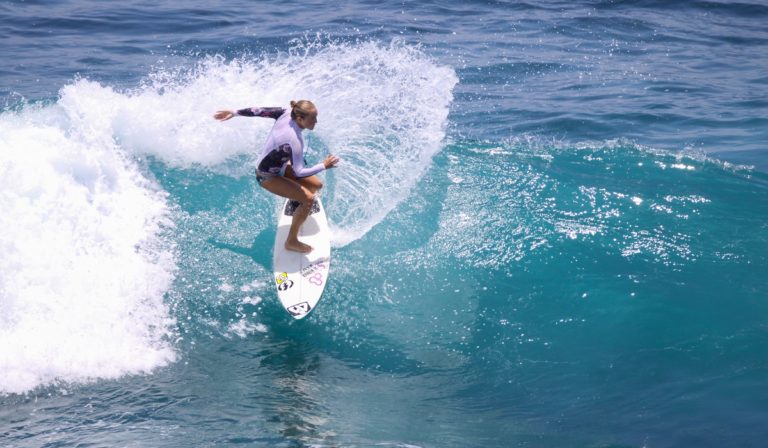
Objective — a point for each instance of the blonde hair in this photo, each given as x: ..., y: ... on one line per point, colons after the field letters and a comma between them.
x: 302, y: 108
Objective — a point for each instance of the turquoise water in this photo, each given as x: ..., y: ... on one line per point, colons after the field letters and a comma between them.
x: 549, y: 225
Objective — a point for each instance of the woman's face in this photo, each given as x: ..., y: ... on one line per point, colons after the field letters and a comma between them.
x: 308, y: 121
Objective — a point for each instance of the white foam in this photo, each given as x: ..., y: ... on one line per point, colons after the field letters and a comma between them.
x: 82, y: 270
x: 244, y: 327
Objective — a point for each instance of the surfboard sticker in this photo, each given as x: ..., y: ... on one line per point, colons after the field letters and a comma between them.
x: 301, y: 278
x: 299, y: 310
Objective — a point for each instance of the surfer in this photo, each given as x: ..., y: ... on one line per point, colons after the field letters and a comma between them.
x: 280, y: 168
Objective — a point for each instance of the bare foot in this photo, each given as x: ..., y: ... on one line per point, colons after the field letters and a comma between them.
x: 298, y: 246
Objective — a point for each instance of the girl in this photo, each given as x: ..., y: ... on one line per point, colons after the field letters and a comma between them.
x: 280, y: 168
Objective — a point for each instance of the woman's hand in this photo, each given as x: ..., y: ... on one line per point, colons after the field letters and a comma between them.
x: 330, y: 161
x: 223, y: 115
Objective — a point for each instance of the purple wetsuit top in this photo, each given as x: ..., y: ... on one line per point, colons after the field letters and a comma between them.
x: 285, y: 143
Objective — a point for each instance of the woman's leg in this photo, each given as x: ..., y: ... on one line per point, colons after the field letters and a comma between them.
x: 291, y: 189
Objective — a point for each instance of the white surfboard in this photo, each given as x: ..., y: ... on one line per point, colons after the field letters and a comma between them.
x: 300, y: 278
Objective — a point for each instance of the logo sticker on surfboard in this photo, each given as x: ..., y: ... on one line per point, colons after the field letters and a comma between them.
x: 283, y: 282
x: 299, y: 309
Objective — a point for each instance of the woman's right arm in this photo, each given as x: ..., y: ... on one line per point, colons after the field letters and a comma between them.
x: 270, y: 112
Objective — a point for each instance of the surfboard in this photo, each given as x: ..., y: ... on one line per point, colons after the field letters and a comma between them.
x: 300, y: 278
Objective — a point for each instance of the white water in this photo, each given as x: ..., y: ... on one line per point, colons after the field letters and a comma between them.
x: 82, y: 268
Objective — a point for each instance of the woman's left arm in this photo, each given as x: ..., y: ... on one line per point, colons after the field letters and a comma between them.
x: 297, y: 161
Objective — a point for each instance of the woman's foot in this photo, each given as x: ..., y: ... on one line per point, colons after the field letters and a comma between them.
x: 298, y: 246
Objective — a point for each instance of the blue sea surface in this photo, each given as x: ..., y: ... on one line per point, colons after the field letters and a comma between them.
x: 550, y: 224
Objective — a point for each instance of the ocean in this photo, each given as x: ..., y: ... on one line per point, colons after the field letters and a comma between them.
x: 549, y: 224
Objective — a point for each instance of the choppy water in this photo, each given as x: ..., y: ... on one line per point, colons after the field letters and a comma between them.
x: 549, y: 225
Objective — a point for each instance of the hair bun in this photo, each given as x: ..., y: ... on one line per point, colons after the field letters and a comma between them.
x: 293, y: 104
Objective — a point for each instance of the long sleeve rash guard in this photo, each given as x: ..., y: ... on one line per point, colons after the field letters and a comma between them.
x: 284, y: 143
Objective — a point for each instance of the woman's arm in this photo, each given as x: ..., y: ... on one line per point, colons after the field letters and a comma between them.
x: 297, y: 164
x: 270, y: 112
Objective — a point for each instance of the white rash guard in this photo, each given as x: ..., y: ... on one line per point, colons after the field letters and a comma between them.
x: 284, y: 143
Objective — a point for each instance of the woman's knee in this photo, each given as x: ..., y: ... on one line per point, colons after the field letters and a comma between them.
x: 309, y: 196
x: 313, y: 183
